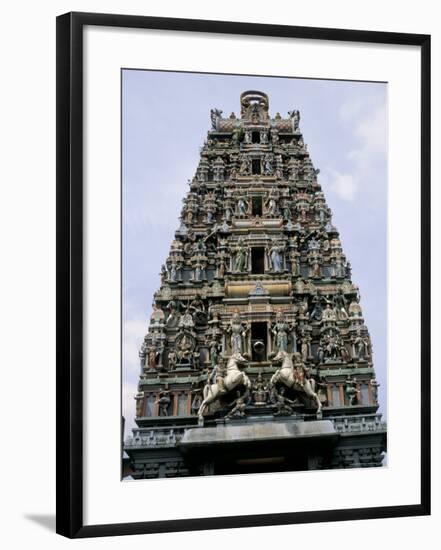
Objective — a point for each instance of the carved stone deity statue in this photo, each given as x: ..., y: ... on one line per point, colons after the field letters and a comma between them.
x: 238, y: 332
x: 173, y: 308
x: 245, y: 166
x: 196, y: 403
x: 271, y: 204
x: 241, y: 256
x: 282, y: 406
x: 268, y: 164
x: 260, y: 391
x: 281, y: 330
x: 315, y: 270
x: 186, y: 321
x: 157, y: 316
x: 329, y: 313
x: 139, y: 398
x: 215, y: 349
x: 305, y: 347
x: 163, y: 403
x: 295, y: 117
x: 143, y: 352
x: 355, y: 309
x: 215, y: 115
x: 242, y: 207
x: 351, y: 391
x: 374, y: 389
x: 361, y: 346
x: 340, y: 305
x: 239, y: 407
x: 275, y: 255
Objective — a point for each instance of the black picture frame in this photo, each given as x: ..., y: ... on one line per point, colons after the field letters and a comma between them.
x: 69, y: 295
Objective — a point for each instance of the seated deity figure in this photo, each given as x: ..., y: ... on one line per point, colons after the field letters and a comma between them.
x: 329, y: 313
x: 355, y: 308
x: 186, y: 321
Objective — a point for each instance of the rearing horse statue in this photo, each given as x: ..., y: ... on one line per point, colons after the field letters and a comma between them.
x: 290, y: 377
x: 233, y: 378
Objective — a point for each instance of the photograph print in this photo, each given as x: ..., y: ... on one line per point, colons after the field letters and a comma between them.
x: 254, y: 274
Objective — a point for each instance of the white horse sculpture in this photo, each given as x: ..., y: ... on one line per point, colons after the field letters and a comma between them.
x: 291, y: 378
x: 233, y: 378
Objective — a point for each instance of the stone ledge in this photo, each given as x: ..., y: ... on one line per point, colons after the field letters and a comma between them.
x: 258, y: 432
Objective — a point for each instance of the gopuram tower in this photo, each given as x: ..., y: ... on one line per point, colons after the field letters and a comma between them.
x: 257, y: 357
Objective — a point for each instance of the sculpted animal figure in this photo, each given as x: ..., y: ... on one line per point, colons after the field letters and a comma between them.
x: 293, y: 376
x: 234, y: 377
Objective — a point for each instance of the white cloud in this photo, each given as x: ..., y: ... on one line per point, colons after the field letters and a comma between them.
x: 133, y: 334
x: 367, y: 123
x: 371, y: 133
x: 129, y: 407
x: 343, y: 185
x: 134, y: 331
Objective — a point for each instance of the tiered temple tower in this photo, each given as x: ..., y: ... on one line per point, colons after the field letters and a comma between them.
x: 257, y: 314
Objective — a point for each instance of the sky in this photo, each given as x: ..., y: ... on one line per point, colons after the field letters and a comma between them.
x: 165, y: 119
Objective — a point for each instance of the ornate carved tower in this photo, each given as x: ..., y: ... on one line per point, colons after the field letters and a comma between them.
x: 256, y: 321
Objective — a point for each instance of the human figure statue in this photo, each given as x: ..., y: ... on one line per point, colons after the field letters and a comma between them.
x: 320, y: 354
x: 157, y: 315
x: 355, y: 308
x: 139, y: 398
x: 173, y: 308
x: 317, y: 311
x: 282, y: 405
x: 260, y: 391
x: 143, y: 352
x: 245, y: 166
x: 238, y: 333
x: 172, y: 359
x: 186, y: 321
x: 281, y: 329
x: 163, y: 403
x: 198, y: 308
x: 163, y: 274
x: 295, y: 117
x: 305, y: 345
x: 361, y: 346
x: 196, y: 403
x: 242, y: 207
x: 197, y: 271
x: 300, y: 370
x: 241, y: 256
x: 352, y: 391
x: 215, y: 115
x: 239, y: 406
x: 329, y: 313
x: 268, y: 164
x: 217, y: 375
x: 340, y: 305
x: 221, y: 268
x: 215, y: 349
x: 374, y: 389
x: 275, y: 256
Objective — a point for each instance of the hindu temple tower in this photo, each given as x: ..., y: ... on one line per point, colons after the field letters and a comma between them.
x: 257, y: 311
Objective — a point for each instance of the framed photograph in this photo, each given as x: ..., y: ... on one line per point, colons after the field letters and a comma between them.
x: 243, y: 288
